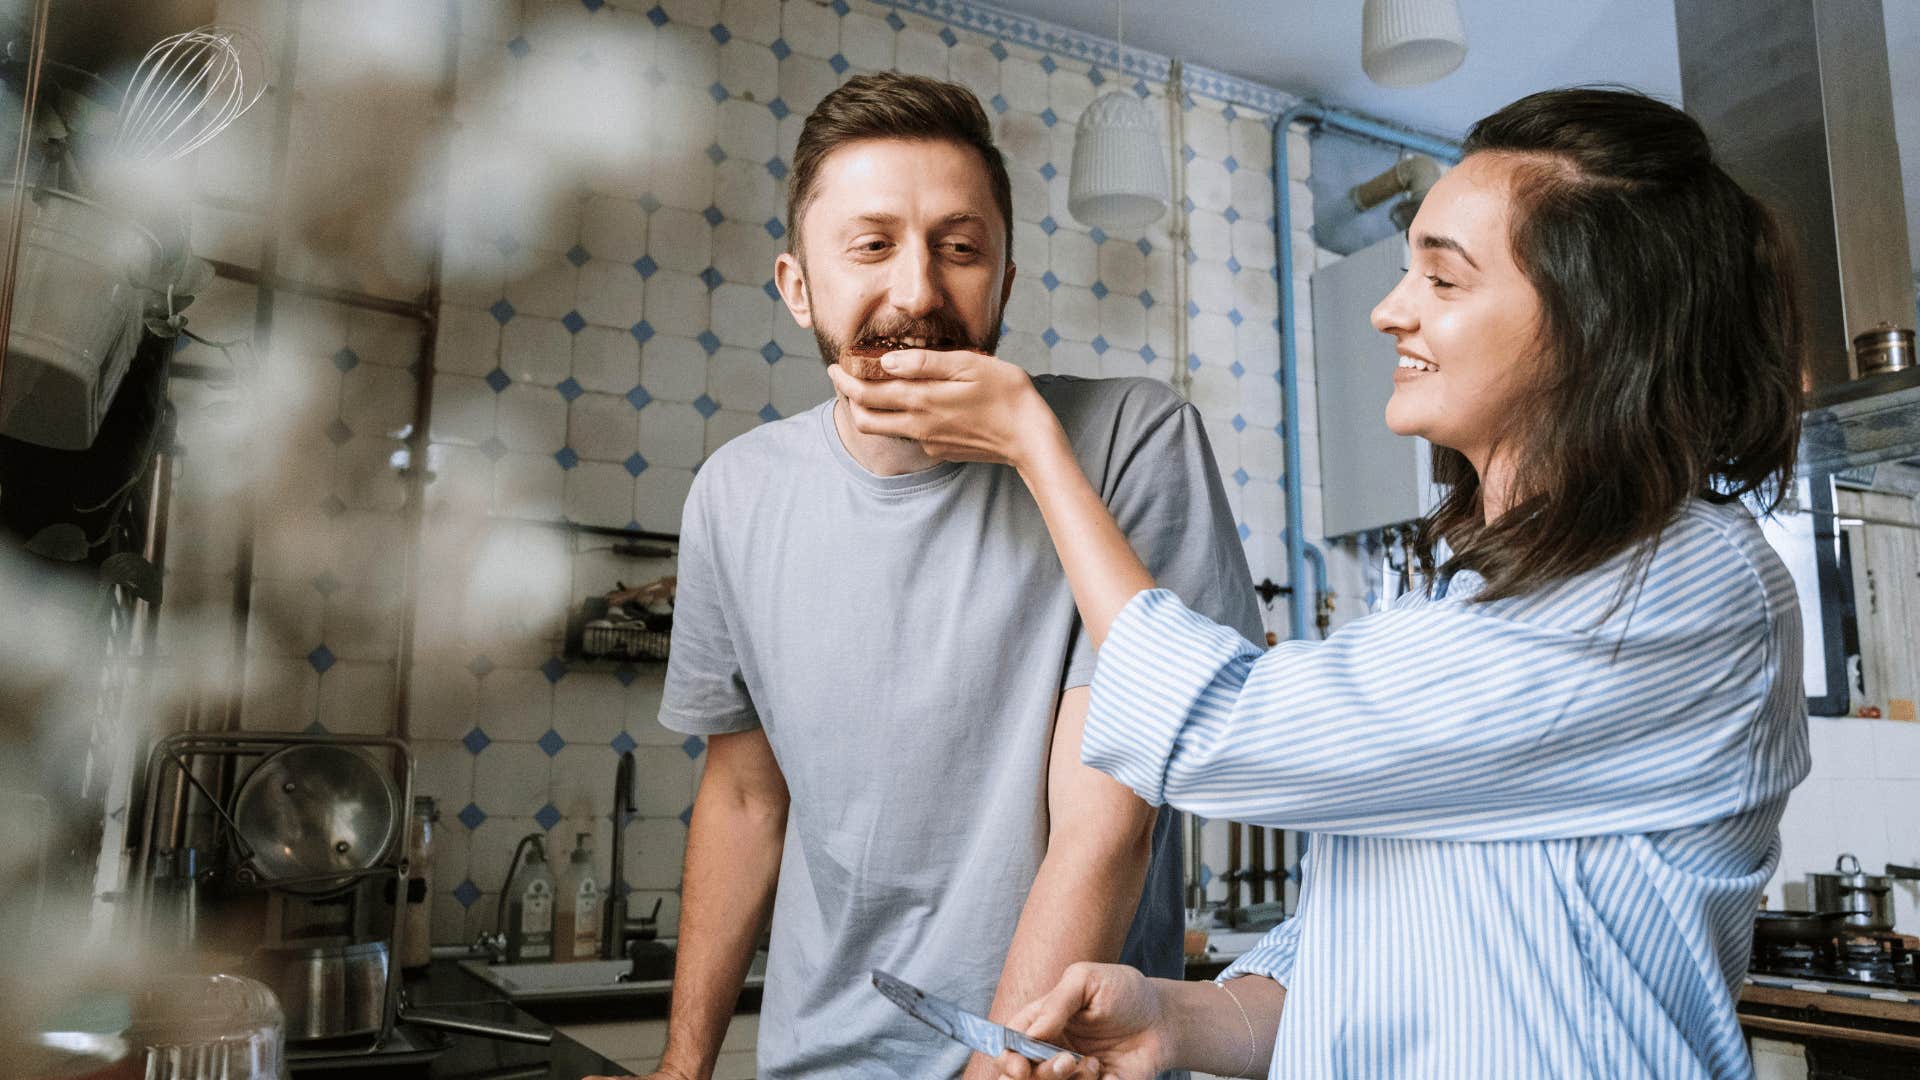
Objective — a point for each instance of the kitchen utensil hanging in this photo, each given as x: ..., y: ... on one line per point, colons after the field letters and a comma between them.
x: 188, y: 88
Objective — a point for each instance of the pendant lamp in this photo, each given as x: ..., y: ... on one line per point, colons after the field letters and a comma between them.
x: 1410, y: 42
x: 1119, y: 178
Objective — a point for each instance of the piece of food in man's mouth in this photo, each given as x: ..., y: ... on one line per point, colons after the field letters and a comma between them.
x: 862, y: 360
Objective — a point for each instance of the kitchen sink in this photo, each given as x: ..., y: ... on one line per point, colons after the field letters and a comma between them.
x: 581, y: 980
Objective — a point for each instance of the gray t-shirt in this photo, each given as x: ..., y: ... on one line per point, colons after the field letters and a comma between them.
x: 904, y: 641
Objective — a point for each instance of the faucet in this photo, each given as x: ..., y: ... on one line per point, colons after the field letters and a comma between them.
x: 615, y: 927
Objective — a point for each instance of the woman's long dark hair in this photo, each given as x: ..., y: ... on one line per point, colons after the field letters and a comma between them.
x: 1670, y: 349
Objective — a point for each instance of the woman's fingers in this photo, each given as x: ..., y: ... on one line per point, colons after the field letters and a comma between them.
x: 1052, y: 1012
x: 1014, y: 1067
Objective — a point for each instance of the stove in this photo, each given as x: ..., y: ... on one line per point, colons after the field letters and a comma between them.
x: 1885, y: 961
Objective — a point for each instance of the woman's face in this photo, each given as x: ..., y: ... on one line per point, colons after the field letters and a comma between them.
x: 1464, y: 317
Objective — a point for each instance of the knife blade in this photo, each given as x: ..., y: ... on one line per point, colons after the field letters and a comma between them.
x: 968, y: 1029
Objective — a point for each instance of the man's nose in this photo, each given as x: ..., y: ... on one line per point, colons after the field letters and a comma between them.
x: 914, y: 288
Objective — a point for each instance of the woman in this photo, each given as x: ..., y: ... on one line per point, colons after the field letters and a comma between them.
x: 1544, y: 791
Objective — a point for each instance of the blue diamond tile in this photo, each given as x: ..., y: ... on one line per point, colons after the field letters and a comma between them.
x: 1100, y: 290
x: 1240, y: 477
x: 1048, y: 172
x: 1100, y: 345
x: 719, y: 94
x: 778, y: 107
x: 1231, y: 164
x: 333, y: 506
x: 636, y: 464
x: 498, y: 380
x: 1145, y: 248
x: 768, y: 414
x: 838, y: 63
x: 1187, y: 204
x: 1048, y: 117
x: 626, y: 673
x: 1050, y: 336
x: 578, y: 255
x: 1099, y: 235
x: 519, y: 46
x: 709, y: 342
x: 713, y: 214
x: 346, y: 360
x: 573, y: 322
x: 705, y: 406
x: 551, y: 743
x: 315, y: 728
x: 1206, y: 875
x: 657, y: 15
x: 476, y: 741
x: 471, y: 816
x: 693, y: 746
x: 566, y: 457
x: 686, y: 817
x: 623, y: 743
x: 649, y: 203
x: 715, y: 155
x: 325, y: 583
x: 1192, y: 255
x: 321, y: 658
x: 1146, y: 300
x: 639, y: 398
x: 1193, y: 362
x: 1193, y: 309
x: 1147, y: 355
x: 1050, y: 280
x: 646, y: 266
x: 1238, y: 369
x: 554, y: 669
x: 778, y: 170
x: 771, y: 352
x: 1094, y: 76
x: 999, y: 103
x: 1234, y: 316
x: 642, y: 331
x: 1047, y: 65
x: 338, y: 432
x: 947, y: 35
x: 1140, y: 87
x: 840, y: 8
x: 1229, y: 114
x: 480, y: 666
x: 772, y: 290
x: 1239, y: 422
x: 720, y: 33
x: 781, y: 50
x: 712, y: 277
x: 547, y: 816
x: 998, y: 50
x: 895, y: 21
x: 501, y: 311
x: 466, y: 893
x: 1232, y: 215
x: 1048, y: 225
x: 1187, y: 154
x: 570, y: 388
x: 1233, y: 264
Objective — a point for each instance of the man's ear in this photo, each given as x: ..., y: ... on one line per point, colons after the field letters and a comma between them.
x: 791, y: 279
x: 1006, y: 287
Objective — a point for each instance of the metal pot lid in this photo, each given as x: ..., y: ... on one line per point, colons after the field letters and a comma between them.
x: 312, y: 810
x: 1848, y: 875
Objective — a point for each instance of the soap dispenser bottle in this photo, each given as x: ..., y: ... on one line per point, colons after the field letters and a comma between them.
x: 530, y: 909
x: 576, y: 927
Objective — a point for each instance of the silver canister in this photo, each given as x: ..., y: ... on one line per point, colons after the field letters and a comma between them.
x: 1867, y: 899
x: 1882, y: 349
x: 329, y: 991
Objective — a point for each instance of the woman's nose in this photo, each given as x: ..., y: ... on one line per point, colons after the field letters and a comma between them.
x: 1393, y: 315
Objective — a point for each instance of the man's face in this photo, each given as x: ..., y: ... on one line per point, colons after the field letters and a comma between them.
x: 904, y: 247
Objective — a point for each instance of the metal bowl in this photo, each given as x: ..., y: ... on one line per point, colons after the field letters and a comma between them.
x: 312, y: 810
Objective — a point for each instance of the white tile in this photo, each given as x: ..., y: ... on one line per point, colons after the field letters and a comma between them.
x: 681, y: 240
x: 363, y: 620
x: 742, y: 317
x: 356, y: 698
x: 599, y: 493
x: 799, y: 383
x: 286, y: 618
x: 672, y: 434
x: 1251, y: 193
x: 809, y: 28
x: 613, y: 229
x: 606, y: 359
x: 1076, y: 314
x: 463, y: 409
x: 282, y: 694
x: 660, y: 495
x: 469, y: 341
x: 1074, y: 258
x: 700, y: 13
x: 673, y: 369
x: 602, y: 427
x: 726, y: 424
x: 971, y: 65
x: 589, y: 707
x: 443, y: 771
x: 676, y: 304
x: 1024, y: 84
x: 687, y: 55
x: 804, y: 80
x: 1257, y: 296
x: 739, y: 379
x: 444, y: 702
x: 527, y: 486
x: 531, y: 419
x: 755, y: 20
x: 612, y: 294
x: 1207, y: 130
x: 1070, y: 92
x: 1212, y: 285
x: 1252, y: 244
x: 1026, y: 350
x: 1075, y: 358
x: 1211, y: 336
x: 743, y: 251
x: 920, y: 52
x: 516, y: 703
x: 643, y: 709
x: 545, y: 287
x: 1896, y: 749
x: 744, y: 190
x: 1123, y: 322
x: 1122, y: 267
x: 656, y: 846
x: 1843, y: 747
x: 536, y: 350
x: 866, y: 41
x: 583, y: 782
x: 747, y: 131
x: 1029, y: 308
x: 1031, y: 202
x: 794, y: 339
x: 1209, y: 235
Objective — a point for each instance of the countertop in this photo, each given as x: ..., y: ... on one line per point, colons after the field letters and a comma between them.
x: 445, y: 990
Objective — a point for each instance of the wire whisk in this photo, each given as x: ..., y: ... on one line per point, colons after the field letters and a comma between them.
x: 187, y: 89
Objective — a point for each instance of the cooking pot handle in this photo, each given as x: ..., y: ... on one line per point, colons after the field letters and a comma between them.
x: 1909, y: 873
x: 1840, y: 864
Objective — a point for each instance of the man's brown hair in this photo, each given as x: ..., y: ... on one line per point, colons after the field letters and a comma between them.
x: 890, y: 105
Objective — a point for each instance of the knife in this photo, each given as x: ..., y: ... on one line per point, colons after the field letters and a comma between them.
x: 968, y: 1029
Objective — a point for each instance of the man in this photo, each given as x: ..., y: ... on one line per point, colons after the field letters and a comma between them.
x: 884, y: 655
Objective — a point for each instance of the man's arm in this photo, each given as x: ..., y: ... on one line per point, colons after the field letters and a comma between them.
x: 733, y: 858
x: 1099, y: 839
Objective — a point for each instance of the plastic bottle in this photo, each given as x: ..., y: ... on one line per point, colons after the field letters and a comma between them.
x: 416, y: 939
x: 576, y: 922
x: 530, y: 910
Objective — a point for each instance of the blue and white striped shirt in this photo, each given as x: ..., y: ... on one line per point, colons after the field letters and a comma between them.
x: 1539, y: 829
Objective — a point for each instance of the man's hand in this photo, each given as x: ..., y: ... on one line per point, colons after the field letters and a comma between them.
x: 959, y: 406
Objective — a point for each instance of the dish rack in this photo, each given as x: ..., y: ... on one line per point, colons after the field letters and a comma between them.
x: 595, y: 632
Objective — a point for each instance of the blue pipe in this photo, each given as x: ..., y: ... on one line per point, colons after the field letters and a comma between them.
x: 1299, y: 603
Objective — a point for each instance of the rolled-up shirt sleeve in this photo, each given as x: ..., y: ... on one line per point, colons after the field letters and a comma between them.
x: 1451, y: 721
x: 1272, y: 957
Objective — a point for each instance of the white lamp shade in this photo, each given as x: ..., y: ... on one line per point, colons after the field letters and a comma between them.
x: 1409, y: 42
x: 1119, y: 178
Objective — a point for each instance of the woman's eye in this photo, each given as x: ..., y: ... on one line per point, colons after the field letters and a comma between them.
x: 1439, y: 282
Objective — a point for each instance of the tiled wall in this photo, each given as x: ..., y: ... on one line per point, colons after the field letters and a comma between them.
x: 613, y: 192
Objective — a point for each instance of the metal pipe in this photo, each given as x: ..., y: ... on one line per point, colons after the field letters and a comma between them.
x: 36, y: 53
x: 1299, y: 604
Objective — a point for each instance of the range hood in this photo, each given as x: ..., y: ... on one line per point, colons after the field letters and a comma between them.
x: 1798, y: 99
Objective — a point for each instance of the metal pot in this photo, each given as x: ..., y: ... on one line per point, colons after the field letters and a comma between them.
x: 1866, y: 898
x: 329, y: 991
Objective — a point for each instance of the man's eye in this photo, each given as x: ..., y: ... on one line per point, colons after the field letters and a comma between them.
x: 873, y: 246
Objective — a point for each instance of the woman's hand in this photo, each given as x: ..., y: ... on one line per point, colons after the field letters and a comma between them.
x: 959, y: 406
x: 1110, y: 1013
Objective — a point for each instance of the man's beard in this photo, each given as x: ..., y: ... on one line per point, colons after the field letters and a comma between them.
x: 860, y: 355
